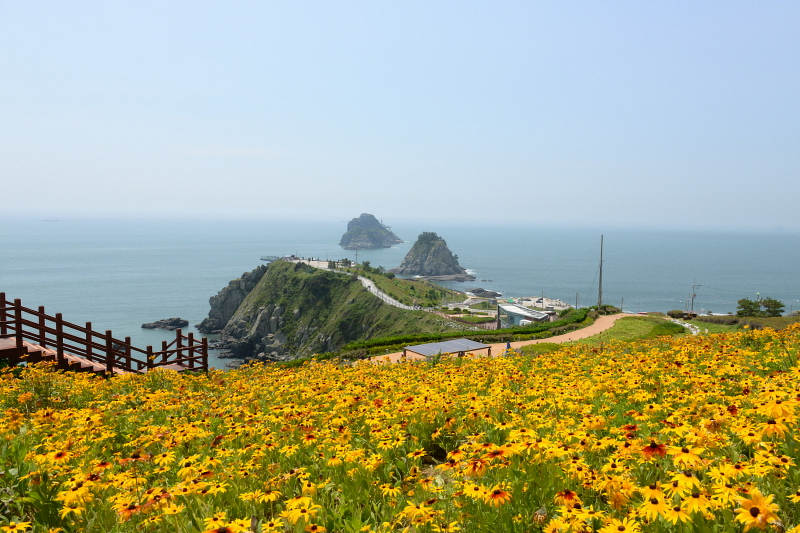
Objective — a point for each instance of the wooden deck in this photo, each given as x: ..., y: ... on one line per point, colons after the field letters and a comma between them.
x: 31, y: 336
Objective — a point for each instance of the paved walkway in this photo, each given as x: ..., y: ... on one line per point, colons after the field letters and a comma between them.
x: 367, y: 283
x: 600, y: 325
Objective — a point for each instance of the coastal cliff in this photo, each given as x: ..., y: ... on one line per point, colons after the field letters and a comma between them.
x: 225, y: 303
x: 431, y: 258
x: 366, y: 233
x: 294, y: 310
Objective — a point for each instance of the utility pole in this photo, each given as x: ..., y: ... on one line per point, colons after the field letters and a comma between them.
x: 694, y: 286
x: 622, y: 304
x: 576, y: 300
x: 600, y: 286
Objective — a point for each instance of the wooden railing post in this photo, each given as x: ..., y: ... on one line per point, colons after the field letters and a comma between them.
x: 59, y: 339
x: 109, y: 352
x: 178, y: 345
x: 18, y: 321
x: 191, y: 350
x: 89, y: 340
x: 42, y: 333
x: 205, y: 353
x: 150, y: 358
x: 3, y: 315
x: 163, y: 351
x: 128, y: 362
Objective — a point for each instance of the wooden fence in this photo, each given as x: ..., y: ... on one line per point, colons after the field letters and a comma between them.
x: 67, y: 339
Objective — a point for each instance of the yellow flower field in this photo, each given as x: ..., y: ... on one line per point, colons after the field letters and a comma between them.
x: 691, y: 434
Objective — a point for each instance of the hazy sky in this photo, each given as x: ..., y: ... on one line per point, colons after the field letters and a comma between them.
x: 613, y: 113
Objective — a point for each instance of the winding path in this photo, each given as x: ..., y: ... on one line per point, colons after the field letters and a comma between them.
x: 600, y: 325
x: 367, y: 283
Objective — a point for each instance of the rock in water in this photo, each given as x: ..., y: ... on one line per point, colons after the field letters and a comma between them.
x: 430, y: 257
x: 167, y: 323
x: 366, y: 233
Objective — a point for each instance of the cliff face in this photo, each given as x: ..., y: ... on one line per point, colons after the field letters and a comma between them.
x: 430, y: 256
x: 227, y: 301
x: 366, y: 233
x: 295, y: 310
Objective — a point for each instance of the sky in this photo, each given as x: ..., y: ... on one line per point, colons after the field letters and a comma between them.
x: 654, y: 114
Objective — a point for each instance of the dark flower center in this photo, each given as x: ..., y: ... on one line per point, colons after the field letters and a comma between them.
x: 754, y: 511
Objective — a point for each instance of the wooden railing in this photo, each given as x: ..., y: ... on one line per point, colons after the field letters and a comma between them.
x: 63, y: 337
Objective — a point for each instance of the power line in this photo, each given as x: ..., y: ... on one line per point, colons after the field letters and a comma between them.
x: 726, y: 290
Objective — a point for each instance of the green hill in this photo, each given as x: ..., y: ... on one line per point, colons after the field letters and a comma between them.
x: 296, y: 310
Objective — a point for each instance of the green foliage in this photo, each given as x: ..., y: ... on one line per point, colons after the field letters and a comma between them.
x: 747, y: 307
x: 518, y: 333
x: 675, y: 313
x: 477, y: 319
x: 428, y: 237
x: 666, y: 328
x: 734, y: 322
x: 336, y: 305
x: 772, y: 307
x: 764, y: 307
x: 635, y: 328
x: 540, y: 348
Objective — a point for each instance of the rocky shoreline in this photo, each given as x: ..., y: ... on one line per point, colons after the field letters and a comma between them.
x: 450, y: 277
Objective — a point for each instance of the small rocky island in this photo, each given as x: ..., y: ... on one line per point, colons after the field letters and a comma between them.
x: 367, y: 233
x: 430, y: 258
x: 170, y: 324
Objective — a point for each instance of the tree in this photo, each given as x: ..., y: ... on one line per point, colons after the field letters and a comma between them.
x: 772, y: 307
x: 747, y: 307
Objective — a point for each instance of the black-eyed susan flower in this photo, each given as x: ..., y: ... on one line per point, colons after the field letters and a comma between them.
x: 16, y: 527
x: 496, y: 497
x: 756, y: 511
x: 653, y: 507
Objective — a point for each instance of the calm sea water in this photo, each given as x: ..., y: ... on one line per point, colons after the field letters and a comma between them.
x: 119, y: 274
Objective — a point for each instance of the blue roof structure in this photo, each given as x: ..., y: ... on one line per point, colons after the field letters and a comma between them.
x: 459, y: 346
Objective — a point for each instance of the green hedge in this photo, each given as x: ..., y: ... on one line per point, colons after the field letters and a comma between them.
x: 537, y: 330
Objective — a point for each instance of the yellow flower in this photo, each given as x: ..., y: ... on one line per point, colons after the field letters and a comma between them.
x: 653, y: 508
x: 625, y: 525
x: 14, y: 527
x: 757, y: 511
x: 496, y: 497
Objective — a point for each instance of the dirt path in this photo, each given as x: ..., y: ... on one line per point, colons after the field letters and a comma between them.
x: 600, y: 325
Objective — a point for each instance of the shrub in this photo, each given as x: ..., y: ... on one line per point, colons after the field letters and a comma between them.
x: 675, y: 313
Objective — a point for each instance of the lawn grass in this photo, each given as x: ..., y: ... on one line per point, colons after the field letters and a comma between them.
x: 478, y: 319
x: 708, y: 327
x: 540, y: 348
x: 408, y: 291
x: 633, y: 328
x: 725, y: 324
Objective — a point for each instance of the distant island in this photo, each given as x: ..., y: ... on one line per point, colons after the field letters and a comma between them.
x: 431, y: 258
x: 367, y: 233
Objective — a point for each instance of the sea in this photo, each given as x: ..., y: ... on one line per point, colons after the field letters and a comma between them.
x: 119, y: 274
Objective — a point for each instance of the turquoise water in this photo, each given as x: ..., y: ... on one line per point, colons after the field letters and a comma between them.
x: 119, y: 274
